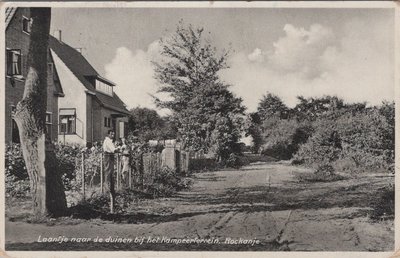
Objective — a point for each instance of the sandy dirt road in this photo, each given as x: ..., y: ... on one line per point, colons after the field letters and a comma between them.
x: 259, y: 207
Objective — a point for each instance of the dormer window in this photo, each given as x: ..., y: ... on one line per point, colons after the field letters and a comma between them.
x: 104, y: 88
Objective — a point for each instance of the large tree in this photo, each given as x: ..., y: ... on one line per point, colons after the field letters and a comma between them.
x: 45, y: 182
x: 146, y: 124
x: 207, y: 114
x: 272, y: 106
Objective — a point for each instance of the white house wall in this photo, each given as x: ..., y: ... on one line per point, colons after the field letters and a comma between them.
x: 75, y: 97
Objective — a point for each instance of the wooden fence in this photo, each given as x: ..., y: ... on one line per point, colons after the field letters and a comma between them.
x: 141, y: 174
x: 142, y: 171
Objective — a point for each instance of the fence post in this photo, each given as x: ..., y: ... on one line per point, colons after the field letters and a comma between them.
x: 101, y: 173
x: 83, y: 174
x: 130, y: 177
x: 117, y: 171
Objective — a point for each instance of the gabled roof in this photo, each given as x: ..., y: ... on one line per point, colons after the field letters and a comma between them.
x: 10, y: 11
x: 82, y: 69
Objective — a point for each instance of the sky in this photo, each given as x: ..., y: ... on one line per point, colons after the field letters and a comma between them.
x: 289, y: 52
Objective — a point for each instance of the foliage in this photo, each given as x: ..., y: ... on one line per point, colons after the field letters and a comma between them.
x: 206, y: 113
x: 67, y: 157
x: 234, y: 161
x: 272, y: 106
x: 203, y: 164
x: 384, y: 205
x: 147, y: 125
x: 283, y: 137
x: 312, y: 108
x: 368, y: 139
x: 252, y: 128
x: 14, y: 162
x: 16, y: 187
x: 167, y: 182
x: 362, y: 140
x: 323, y: 147
x: 324, y: 173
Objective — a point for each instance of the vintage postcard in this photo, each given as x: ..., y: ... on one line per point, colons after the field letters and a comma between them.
x: 223, y: 129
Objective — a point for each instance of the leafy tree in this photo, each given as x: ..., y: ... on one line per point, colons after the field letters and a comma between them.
x: 271, y: 105
x: 45, y: 181
x: 206, y: 113
x: 312, y: 108
x: 146, y: 124
x: 253, y: 129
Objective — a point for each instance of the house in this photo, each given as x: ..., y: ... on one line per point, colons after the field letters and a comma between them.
x: 18, y: 22
x: 90, y: 106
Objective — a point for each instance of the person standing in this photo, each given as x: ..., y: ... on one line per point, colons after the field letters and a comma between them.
x: 125, y: 163
x: 109, y: 150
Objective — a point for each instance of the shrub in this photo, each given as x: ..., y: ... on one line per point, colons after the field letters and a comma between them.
x: 203, y: 164
x: 384, y: 205
x: 16, y: 187
x: 324, y: 173
x: 15, y: 163
x: 167, y: 182
x: 16, y: 175
x: 284, y: 137
x: 368, y: 139
x: 323, y: 147
x: 353, y: 141
x: 68, y: 163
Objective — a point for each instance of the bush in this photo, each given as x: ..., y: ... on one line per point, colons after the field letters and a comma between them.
x: 384, y: 205
x: 324, y: 173
x: 356, y: 141
x: 203, y: 164
x: 284, y: 137
x: 323, y: 147
x: 15, y: 163
x: 368, y: 139
x: 16, y: 187
x: 68, y: 163
x: 16, y: 175
x: 167, y: 182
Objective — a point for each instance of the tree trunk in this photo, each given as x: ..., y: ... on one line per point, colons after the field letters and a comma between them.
x: 48, y: 198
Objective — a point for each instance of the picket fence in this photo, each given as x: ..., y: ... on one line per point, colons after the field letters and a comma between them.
x: 142, y: 171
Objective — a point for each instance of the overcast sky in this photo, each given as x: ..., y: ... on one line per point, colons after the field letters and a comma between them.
x: 288, y: 52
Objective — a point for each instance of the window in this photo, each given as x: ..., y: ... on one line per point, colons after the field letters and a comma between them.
x: 105, y: 88
x: 14, y: 62
x: 67, y: 121
x: 50, y: 68
x: 26, y: 25
x: 107, y: 122
x: 13, y: 109
x: 48, y: 124
x: 121, y: 129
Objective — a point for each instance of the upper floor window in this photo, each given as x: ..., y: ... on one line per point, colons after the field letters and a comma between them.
x: 103, y: 87
x: 14, y: 62
x: 26, y: 25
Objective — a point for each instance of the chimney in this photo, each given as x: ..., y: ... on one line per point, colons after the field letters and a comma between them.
x: 57, y: 35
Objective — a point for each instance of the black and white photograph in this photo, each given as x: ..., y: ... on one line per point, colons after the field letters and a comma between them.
x: 200, y: 127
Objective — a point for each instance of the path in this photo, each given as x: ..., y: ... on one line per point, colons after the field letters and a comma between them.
x: 261, y: 202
